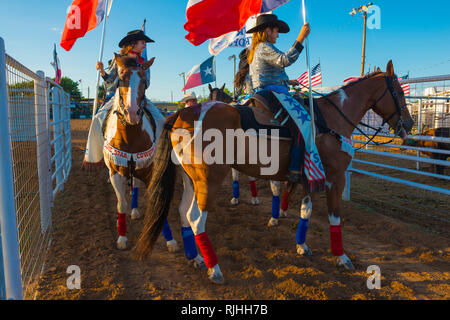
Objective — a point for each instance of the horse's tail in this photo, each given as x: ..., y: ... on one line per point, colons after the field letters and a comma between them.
x: 160, y: 190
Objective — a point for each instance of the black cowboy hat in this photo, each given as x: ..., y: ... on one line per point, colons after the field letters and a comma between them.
x: 134, y: 35
x: 269, y: 20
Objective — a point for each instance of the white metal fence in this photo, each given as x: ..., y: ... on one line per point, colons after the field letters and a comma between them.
x: 400, y: 176
x: 35, y: 163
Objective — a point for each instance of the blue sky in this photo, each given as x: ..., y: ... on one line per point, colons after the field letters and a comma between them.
x: 414, y: 34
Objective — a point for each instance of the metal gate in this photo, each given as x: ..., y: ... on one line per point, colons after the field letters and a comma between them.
x: 36, y: 161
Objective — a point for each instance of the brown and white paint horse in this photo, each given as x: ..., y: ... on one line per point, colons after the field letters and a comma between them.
x: 342, y: 110
x: 130, y: 140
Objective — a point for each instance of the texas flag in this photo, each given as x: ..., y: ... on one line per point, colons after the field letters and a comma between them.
x: 207, y: 19
x: 82, y: 16
x: 201, y: 74
x: 56, y: 66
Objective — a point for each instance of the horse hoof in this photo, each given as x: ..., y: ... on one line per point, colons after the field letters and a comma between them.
x: 198, y: 262
x: 234, y: 201
x: 215, y: 275
x: 344, y: 262
x: 283, y: 213
x: 272, y: 222
x: 303, y: 250
x: 135, y: 214
x: 255, y: 201
x: 172, y: 246
x: 122, y: 243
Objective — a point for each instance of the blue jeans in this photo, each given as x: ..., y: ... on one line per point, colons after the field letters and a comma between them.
x: 295, y: 152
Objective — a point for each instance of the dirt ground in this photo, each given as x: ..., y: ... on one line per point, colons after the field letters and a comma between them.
x: 258, y: 262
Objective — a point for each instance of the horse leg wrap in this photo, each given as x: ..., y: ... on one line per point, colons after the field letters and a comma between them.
x: 336, y: 241
x: 122, y: 224
x: 236, y: 189
x: 302, y: 228
x: 207, y: 250
x: 134, y: 198
x: 167, y: 233
x: 275, y: 207
x: 253, y: 189
x: 285, y: 202
x: 190, y: 249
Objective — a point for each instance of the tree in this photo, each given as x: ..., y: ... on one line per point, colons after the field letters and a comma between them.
x: 71, y: 87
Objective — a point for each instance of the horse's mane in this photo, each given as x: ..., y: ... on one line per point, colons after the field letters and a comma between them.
x: 348, y: 85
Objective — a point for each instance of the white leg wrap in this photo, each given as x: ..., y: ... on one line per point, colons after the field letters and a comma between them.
x: 306, y: 208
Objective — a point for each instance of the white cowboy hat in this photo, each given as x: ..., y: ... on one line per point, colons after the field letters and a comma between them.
x: 188, y: 96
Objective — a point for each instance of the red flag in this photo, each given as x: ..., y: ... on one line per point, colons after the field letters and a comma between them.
x: 83, y: 16
x: 208, y: 19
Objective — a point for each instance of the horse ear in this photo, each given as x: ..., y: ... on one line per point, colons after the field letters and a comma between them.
x: 390, y: 69
x: 148, y: 63
x: 378, y: 69
x: 223, y: 87
x: 119, y: 60
x: 210, y: 88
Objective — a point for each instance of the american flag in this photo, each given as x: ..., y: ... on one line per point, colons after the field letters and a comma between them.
x: 405, y: 86
x: 316, y: 77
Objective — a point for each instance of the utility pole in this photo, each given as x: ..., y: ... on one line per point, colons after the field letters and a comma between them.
x: 184, y: 80
x: 363, y: 9
x: 234, y: 73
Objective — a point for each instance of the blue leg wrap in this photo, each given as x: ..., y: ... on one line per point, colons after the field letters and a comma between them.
x: 167, y: 233
x: 236, y: 189
x: 134, y: 198
x: 190, y: 248
x: 275, y: 207
x: 300, y: 237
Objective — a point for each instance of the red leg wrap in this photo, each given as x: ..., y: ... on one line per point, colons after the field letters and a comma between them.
x: 285, y: 202
x: 253, y: 188
x: 122, y: 224
x: 336, y: 241
x: 207, y: 250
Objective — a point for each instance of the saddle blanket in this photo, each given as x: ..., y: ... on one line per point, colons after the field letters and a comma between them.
x: 313, y: 167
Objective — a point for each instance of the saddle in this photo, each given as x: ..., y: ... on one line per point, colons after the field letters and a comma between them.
x: 264, y: 107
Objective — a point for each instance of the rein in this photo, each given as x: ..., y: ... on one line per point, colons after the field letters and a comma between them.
x: 398, y: 111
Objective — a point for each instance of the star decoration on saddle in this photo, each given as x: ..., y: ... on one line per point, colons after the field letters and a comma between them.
x: 304, y: 117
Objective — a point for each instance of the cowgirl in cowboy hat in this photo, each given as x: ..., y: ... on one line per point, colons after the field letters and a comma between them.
x: 267, y: 72
x: 132, y: 45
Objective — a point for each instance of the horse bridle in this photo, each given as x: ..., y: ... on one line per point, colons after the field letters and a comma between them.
x: 398, y: 110
x: 142, y: 105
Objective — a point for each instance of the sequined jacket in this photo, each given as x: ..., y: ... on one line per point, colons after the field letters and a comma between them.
x: 267, y: 67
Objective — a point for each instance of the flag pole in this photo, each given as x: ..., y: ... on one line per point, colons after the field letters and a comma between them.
x: 311, y: 101
x: 100, y: 58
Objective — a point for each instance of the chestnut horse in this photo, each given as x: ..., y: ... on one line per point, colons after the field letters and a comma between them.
x: 129, y: 142
x: 342, y: 110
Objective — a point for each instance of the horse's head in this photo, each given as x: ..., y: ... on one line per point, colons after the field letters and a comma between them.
x: 130, y: 96
x: 391, y: 105
x: 217, y: 94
